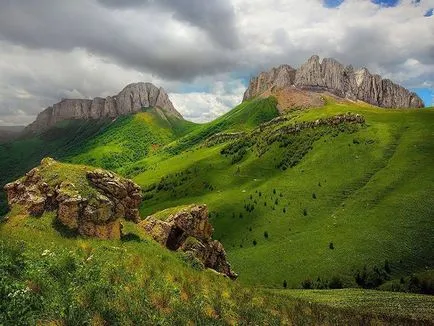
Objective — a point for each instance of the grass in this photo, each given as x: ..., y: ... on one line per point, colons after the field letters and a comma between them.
x: 49, y: 279
x: 365, y: 189
x: 371, y: 199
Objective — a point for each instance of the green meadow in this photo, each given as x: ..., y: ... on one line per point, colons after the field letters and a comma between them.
x: 331, y: 223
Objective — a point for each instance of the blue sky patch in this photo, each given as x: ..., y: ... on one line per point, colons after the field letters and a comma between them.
x: 332, y: 3
x: 386, y: 3
x: 426, y: 94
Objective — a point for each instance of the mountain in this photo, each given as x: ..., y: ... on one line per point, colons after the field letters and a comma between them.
x: 331, y: 76
x: 130, y: 100
x: 334, y: 194
x: 8, y: 133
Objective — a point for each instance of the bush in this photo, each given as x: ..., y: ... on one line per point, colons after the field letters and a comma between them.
x: 266, y: 235
x: 314, y: 196
x: 335, y: 283
x: 254, y: 242
x: 285, y: 284
x: 331, y: 246
x: 306, y: 284
x: 304, y: 212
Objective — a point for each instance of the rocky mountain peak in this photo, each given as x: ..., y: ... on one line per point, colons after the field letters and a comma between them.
x: 131, y: 99
x: 331, y: 76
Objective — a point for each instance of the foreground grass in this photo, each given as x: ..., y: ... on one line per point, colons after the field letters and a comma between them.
x: 46, y: 278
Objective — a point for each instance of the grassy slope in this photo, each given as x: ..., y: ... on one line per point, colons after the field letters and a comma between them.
x: 105, y: 143
x: 50, y: 279
x: 371, y: 202
x: 374, y: 210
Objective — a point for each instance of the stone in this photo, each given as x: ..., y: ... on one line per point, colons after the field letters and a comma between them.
x: 331, y: 76
x: 130, y: 100
x: 189, y: 230
x: 98, y: 216
x: 277, y: 78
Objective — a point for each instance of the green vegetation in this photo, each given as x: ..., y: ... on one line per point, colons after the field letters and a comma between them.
x: 369, y: 198
x: 50, y: 279
x: 327, y: 207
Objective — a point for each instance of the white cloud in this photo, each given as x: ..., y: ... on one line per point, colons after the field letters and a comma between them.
x: 202, y: 106
x: 51, y: 58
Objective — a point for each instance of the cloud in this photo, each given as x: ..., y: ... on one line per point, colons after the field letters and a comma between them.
x: 202, y: 106
x: 54, y: 49
x: 217, y: 18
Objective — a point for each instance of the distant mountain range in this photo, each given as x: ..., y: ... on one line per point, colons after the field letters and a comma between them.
x: 331, y: 76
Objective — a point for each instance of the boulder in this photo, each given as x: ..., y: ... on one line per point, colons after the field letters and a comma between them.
x: 96, y: 213
x: 189, y: 230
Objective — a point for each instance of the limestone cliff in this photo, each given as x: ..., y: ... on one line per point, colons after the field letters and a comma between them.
x: 331, y: 76
x: 130, y: 100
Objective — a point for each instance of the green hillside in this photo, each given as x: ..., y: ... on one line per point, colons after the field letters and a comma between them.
x: 338, y: 196
x: 105, y: 143
x: 48, y: 278
x: 362, y: 191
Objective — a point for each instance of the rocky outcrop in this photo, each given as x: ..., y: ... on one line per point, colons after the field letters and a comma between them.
x: 131, y: 99
x: 277, y: 78
x: 94, y: 209
x: 331, y: 76
x: 189, y: 230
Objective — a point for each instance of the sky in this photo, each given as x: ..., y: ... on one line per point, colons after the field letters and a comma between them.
x: 203, y: 53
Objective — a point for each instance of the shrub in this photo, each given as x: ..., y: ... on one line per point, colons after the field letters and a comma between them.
x: 331, y: 246
x: 254, y: 242
x: 314, y: 196
x: 266, y: 235
x: 335, y: 283
x: 387, y: 266
x: 306, y: 284
x: 304, y: 212
x: 285, y: 284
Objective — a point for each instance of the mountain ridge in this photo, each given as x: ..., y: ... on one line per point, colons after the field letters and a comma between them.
x: 131, y: 99
x: 343, y: 81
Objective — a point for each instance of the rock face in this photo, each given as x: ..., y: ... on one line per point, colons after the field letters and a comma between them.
x: 329, y: 75
x: 190, y: 231
x: 96, y: 213
x: 279, y: 78
x: 131, y: 99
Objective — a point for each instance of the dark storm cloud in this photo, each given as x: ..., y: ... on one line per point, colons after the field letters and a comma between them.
x: 150, y: 45
x: 50, y: 49
x: 217, y: 17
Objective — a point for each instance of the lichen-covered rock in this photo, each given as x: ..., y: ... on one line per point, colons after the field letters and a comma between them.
x: 96, y: 213
x: 331, y: 76
x: 211, y: 254
x: 189, y: 230
x: 131, y: 99
x: 123, y: 193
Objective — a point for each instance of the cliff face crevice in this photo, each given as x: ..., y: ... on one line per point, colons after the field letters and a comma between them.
x: 331, y: 76
x: 131, y: 99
